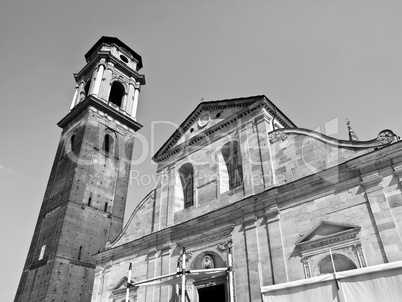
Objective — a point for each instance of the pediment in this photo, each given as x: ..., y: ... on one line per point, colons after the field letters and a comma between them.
x: 121, y: 284
x: 119, y: 291
x: 213, y: 115
x: 327, y: 234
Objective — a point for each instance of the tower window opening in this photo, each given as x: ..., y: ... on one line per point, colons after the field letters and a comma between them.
x: 89, y: 200
x: 116, y: 94
x: 187, y: 181
x: 232, y: 156
x: 124, y: 58
x: 86, y: 88
x: 42, y: 252
x: 108, y: 144
x: 72, y: 141
x: 79, y: 253
x: 106, y: 205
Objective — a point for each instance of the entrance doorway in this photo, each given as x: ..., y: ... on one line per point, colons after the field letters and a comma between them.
x: 212, y: 293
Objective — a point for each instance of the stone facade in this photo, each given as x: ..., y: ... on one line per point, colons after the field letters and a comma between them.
x: 302, y: 197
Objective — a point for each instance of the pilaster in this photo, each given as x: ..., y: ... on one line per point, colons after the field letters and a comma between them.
x: 151, y: 267
x: 277, y: 251
x: 262, y: 124
x: 253, y: 181
x: 383, y: 219
x: 250, y: 234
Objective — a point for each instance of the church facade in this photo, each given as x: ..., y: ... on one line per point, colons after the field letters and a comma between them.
x: 247, y: 207
x: 289, y: 205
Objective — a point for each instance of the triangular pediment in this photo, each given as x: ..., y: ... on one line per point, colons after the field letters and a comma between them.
x: 327, y: 229
x: 121, y: 284
x: 212, y: 115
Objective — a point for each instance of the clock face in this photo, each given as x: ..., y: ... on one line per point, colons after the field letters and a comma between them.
x: 204, y: 120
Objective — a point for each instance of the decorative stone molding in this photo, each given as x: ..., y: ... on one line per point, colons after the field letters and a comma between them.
x: 328, y: 241
x: 189, y: 255
x: 371, y: 181
x: 249, y: 220
x: 207, y: 239
x: 208, y: 262
x: 272, y: 214
x: 225, y: 246
x: 398, y: 171
x: 275, y: 136
x: 317, y: 244
x: 214, y: 258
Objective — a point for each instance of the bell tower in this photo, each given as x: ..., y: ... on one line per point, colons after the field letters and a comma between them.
x: 84, y: 203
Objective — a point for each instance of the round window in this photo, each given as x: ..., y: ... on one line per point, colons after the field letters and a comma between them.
x: 124, y: 58
x: 204, y: 120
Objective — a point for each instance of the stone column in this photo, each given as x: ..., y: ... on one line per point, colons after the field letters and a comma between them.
x: 130, y: 97
x: 383, y: 219
x: 81, y: 92
x: 279, y: 269
x: 135, y: 102
x: 73, y: 102
x: 98, y: 80
x: 108, y: 74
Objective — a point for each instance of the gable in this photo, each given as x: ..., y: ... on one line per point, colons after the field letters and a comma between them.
x: 213, y: 115
x: 121, y: 284
x: 327, y: 234
x: 326, y: 228
x: 205, y: 120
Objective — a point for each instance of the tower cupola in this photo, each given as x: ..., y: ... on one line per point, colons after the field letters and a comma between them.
x: 111, y: 76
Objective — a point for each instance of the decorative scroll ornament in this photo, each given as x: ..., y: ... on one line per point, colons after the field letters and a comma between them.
x: 224, y: 247
x: 386, y: 137
x: 189, y: 255
x: 275, y: 136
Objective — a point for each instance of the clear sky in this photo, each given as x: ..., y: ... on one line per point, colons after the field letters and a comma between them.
x: 318, y: 61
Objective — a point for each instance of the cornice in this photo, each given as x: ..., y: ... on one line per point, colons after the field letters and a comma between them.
x: 203, y: 136
x: 92, y: 101
x: 104, y: 55
x: 330, y: 240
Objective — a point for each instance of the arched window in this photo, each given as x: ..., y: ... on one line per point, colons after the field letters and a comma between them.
x: 108, y: 143
x: 116, y: 94
x: 187, y: 182
x: 341, y: 263
x: 232, y: 156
